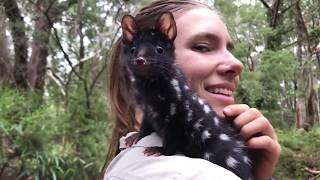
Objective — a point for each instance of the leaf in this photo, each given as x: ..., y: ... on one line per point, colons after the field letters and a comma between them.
x: 53, y: 173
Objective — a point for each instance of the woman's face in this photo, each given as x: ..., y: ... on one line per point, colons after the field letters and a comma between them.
x: 203, y: 48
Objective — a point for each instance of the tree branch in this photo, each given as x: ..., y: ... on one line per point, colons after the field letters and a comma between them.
x: 275, y: 13
x: 66, y: 56
x: 290, y: 6
x: 288, y: 45
x: 265, y: 4
x: 57, y: 80
x: 105, y: 61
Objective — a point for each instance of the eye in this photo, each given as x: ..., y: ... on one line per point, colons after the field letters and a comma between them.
x: 201, y: 48
x: 159, y: 50
x: 132, y: 50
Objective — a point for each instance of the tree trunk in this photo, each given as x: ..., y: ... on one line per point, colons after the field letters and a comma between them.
x: 308, y: 112
x: 38, y: 59
x: 5, y: 65
x: 17, y: 27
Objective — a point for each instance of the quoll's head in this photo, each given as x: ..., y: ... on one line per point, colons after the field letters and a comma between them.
x: 148, y: 51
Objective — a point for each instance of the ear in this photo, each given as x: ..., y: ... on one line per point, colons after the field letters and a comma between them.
x: 167, y: 26
x: 129, y: 28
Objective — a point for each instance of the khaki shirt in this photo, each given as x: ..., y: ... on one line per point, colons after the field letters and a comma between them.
x: 132, y: 164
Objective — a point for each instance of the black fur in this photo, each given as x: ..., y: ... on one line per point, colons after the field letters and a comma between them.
x: 185, y: 122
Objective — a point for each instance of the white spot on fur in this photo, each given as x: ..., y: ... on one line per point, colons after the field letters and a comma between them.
x: 149, y: 109
x: 240, y: 144
x: 237, y: 150
x: 175, y: 84
x: 192, y: 135
x: 161, y: 98
x: 231, y: 162
x: 200, y: 101
x: 189, y: 118
x: 132, y: 79
x: 205, y: 135
x: 187, y: 104
x: 207, y: 156
x: 216, y: 121
x: 194, y: 97
x: 206, y: 108
x: 173, y: 109
x: 247, y: 160
x: 186, y: 87
x: 166, y: 119
x: 224, y: 137
x: 198, y: 124
x: 154, y: 115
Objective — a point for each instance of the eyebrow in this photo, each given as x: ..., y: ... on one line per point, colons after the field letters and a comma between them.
x: 211, y: 37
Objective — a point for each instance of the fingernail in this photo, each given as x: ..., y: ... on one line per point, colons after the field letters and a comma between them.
x: 227, y: 110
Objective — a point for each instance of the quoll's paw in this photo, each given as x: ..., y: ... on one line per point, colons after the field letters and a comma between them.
x: 131, y: 140
x: 152, y: 151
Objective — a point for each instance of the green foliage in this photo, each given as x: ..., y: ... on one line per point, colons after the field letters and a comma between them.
x: 264, y: 87
x: 241, y: 50
x: 300, y: 150
x: 48, y: 141
x: 278, y: 65
x: 315, y: 33
x: 250, y: 88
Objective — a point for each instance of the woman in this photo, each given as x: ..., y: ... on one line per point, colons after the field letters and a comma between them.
x: 203, y: 52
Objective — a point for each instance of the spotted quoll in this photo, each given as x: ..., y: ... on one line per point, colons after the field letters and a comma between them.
x: 185, y: 122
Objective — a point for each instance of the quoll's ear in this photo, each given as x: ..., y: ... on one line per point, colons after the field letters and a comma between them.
x: 167, y: 26
x: 129, y: 28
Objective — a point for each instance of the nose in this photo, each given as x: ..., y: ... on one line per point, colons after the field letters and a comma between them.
x: 230, y: 66
x: 140, y: 61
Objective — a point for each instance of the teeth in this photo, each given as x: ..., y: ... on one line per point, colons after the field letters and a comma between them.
x: 223, y: 91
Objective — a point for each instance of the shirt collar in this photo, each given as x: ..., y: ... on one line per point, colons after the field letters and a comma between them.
x: 152, y: 140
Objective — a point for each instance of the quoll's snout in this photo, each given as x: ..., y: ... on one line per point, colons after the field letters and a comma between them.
x: 140, y: 61
x: 140, y: 65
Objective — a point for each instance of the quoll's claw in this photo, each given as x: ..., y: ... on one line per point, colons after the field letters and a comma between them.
x: 131, y: 140
x: 152, y: 151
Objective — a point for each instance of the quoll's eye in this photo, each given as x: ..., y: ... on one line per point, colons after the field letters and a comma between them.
x: 159, y: 50
x: 132, y: 50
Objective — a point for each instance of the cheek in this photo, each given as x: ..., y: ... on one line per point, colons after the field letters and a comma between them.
x: 194, y: 67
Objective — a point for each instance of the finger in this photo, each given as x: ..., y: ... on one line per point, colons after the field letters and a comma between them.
x: 246, y: 117
x: 264, y: 143
x: 235, y: 109
x: 258, y: 127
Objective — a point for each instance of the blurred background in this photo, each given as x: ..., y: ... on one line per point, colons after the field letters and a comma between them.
x: 54, y: 54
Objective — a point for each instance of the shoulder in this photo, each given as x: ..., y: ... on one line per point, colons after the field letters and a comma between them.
x: 166, y: 167
x: 131, y: 163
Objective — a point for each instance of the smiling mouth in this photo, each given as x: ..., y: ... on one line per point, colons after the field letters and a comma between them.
x: 221, y: 91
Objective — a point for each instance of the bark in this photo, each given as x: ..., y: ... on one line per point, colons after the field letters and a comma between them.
x: 5, y: 65
x: 17, y: 27
x: 40, y: 50
x: 307, y: 111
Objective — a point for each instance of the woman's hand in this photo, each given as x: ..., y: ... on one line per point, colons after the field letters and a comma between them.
x: 260, y: 136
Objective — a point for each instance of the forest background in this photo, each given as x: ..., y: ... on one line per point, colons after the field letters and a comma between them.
x: 54, y: 54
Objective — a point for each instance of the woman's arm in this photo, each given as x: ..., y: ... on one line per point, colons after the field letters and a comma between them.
x: 260, y: 136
